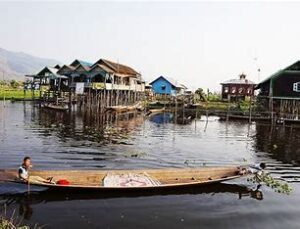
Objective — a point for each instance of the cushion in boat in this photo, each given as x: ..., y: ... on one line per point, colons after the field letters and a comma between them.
x: 129, y: 180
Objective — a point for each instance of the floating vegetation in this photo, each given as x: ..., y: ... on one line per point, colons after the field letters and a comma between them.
x: 10, y: 223
x: 135, y: 154
x: 189, y: 162
x: 277, y: 185
x: 14, y: 222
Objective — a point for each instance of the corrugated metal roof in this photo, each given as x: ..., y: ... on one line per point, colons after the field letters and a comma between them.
x: 48, y: 69
x: 108, y: 66
x: 238, y: 81
x: 293, y: 67
x: 118, y: 68
x: 77, y: 62
x: 85, y: 63
x: 101, y: 66
x: 172, y: 81
x: 68, y: 67
x: 85, y: 67
x: 52, y: 73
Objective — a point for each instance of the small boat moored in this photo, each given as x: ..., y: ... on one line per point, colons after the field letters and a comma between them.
x: 55, y: 107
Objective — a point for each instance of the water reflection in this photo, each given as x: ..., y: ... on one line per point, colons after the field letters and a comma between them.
x: 162, y: 118
x: 176, y: 117
x: 109, y: 127
x: 281, y: 142
x: 25, y: 201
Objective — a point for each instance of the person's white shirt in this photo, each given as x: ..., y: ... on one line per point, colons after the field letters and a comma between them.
x: 23, y: 173
x: 255, y: 169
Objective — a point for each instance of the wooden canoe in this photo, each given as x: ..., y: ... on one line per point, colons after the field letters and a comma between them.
x: 93, y: 179
x: 55, y: 107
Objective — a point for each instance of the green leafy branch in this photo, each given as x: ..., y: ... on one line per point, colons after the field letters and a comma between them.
x: 275, y: 184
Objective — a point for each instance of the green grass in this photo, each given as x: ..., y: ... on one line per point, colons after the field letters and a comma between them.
x: 225, y: 106
x: 222, y: 106
x: 242, y: 106
x: 10, y: 93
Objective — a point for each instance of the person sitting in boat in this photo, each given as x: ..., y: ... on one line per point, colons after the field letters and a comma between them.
x: 253, y: 169
x: 257, y: 168
x: 24, y: 168
x: 23, y: 173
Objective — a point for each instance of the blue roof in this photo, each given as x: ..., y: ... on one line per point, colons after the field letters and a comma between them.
x: 171, y: 81
x: 82, y: 62
x: 85, y: 63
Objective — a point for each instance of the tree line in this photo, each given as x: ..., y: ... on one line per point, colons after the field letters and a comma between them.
x: 11, y: 83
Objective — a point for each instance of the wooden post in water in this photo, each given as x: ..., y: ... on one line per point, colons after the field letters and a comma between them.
x: 176, y: 109
x: 272, y: 108
x: 228, y: 107
x: 250, y: 109
x: 117, y: 98
x: 196, y: 116
x: 271, y: 101
x: 207, y: 107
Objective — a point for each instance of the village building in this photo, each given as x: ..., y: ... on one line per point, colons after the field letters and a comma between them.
x: 76, y: 72
x: 115, y: 76
x: 81, y: 74
x: 47, y: 79
x: 102, y: 84
x: 280, y: 92
x: 237, y: 89
x: 103, y: 74
x: 167, y: 86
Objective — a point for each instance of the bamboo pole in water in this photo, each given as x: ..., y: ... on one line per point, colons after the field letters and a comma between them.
x: 250, y: 109
x: 228, y: 107
x: 176, y: 109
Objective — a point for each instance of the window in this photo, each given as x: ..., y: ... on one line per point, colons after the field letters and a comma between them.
x: 241, y: 90
x: 296, y: 87
x: 163, y: 87
x: 226, y: 89
x: 233, y: 90
x: 249, y: 90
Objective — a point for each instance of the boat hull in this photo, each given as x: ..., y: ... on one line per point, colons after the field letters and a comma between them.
x: 92, y: 179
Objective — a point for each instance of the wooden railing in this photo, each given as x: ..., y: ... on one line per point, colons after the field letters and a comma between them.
x: 110, y: 86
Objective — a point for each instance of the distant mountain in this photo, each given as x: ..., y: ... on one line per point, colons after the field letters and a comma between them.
x: 15, y: 65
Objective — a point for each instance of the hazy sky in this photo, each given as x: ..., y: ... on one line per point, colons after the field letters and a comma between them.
x: 198, y: 43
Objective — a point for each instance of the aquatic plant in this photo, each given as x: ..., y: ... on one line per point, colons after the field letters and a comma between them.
x: 189, y: 162
x: 275, y: 184
x: 10, y: 223
x: 13, y: 222
x: 136, y: 154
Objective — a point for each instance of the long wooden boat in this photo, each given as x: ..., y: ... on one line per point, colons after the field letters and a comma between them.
x: 127, y: 179
x: 243, y: 117
x: 55, y: 107
x: 121, y: 108
x: 155, y: 111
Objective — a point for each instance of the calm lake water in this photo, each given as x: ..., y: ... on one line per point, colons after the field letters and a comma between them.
x: 58, y: 140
